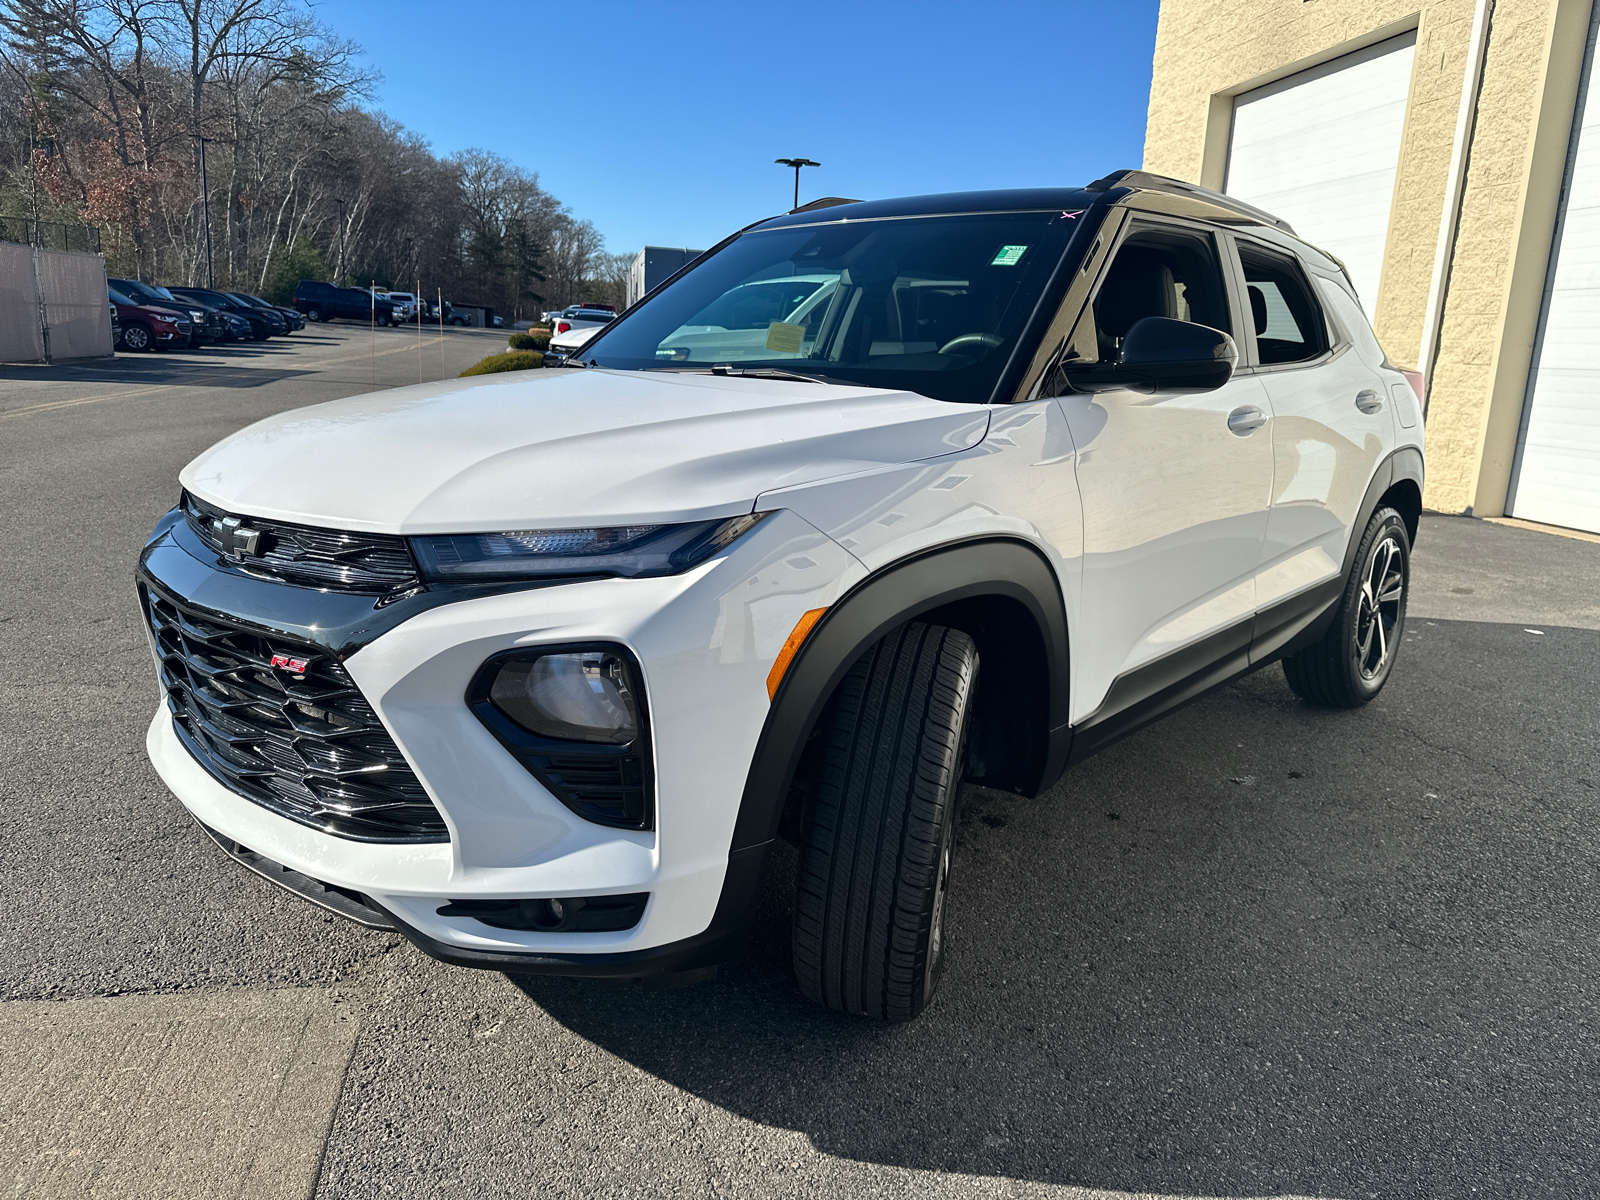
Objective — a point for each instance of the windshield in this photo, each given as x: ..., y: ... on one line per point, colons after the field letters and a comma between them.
x: 142, y: 292
x: 929, y: 304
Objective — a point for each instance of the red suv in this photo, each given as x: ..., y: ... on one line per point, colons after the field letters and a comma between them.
x: 145, y: 326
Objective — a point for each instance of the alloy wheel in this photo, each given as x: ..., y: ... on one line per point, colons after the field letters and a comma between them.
x: 1383, y: 590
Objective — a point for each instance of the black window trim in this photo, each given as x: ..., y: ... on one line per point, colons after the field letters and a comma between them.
x: 1334, y: 334
x: 1137, y: 221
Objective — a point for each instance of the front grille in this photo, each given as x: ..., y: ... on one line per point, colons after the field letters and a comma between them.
x: 297, y: 738
x: 370, y: 563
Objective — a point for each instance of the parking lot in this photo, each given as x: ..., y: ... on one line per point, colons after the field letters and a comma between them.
x: 1257, y: 950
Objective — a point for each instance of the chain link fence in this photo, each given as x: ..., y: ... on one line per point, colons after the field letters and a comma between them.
x: 51, y: 235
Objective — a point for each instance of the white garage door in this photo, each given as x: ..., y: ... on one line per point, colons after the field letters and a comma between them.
x: 1557, y: 479
x: 1319, y: 149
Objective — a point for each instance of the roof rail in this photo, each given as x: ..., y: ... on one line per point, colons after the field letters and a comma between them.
x: 1150, y: 182
x: 825, y: 202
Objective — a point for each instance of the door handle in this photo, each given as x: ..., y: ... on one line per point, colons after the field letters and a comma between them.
x: 1369, y: 402
x: 1245, y: 421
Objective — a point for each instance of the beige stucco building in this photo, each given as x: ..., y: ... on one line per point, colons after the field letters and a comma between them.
x: 1440, y: 148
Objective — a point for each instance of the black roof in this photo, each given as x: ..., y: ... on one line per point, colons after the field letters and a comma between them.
x: 1113, y: 186
x: 999, y: 200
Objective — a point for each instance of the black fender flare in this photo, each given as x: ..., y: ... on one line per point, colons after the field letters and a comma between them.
x: 904, y: 590
x: 898, y: 593
x: 1404, y: 463
x: 1284, y: 640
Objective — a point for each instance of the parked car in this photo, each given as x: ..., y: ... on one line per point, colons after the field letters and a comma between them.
x: 205, y: 324
x: 324, y: 302
x: 291, y: 319
x: 384, y: 296
x: 535, y: 671
x: 567, y: 343
x: 581, y: 317
x: 263, y: 323
x: 116, y: 324
x: 149, y: 326
x: 405, y: 306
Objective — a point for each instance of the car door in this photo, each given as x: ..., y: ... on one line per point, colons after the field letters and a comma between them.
x: 1175, y: 487
x: 1329, y: 429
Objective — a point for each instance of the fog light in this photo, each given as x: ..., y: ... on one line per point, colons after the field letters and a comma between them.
x: 581, y: 697
x: 576, y: 717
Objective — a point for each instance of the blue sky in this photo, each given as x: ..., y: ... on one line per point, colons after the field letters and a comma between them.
x: 659, y: 122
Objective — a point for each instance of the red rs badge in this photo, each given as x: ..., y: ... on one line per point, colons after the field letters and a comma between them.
x: 297, y: 665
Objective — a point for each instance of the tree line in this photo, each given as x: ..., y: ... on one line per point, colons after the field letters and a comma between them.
x: 145, y: 117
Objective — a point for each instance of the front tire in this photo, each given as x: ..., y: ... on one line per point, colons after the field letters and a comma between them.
x: 136, y: 337
x: 879, y: 826
x: 1352, y: 662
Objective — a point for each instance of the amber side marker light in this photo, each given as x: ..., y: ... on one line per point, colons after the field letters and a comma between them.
x: 797, y: 638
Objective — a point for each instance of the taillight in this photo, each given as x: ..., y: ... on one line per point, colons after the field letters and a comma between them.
x: 563, y: 326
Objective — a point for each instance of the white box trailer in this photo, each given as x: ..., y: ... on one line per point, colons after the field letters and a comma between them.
x: 654, y: 264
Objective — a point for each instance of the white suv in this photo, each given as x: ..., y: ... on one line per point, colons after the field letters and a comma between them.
x: 536, y: 668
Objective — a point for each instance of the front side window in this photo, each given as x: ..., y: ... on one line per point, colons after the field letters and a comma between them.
x: 1160, y: 273
x: 1166, y: 272
x: 1288, y: 324
x: 933, y: 305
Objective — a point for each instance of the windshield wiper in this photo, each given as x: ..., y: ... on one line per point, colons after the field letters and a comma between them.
x: 763, y: 373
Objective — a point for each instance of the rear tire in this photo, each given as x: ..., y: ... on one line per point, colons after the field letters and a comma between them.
x: 879, y: 826
x: 1352, y: 662
x: 313, y: 314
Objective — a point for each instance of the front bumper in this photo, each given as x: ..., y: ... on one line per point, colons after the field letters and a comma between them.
x: 705, y: 641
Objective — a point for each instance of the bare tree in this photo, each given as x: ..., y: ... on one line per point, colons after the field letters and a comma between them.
x: 100, y: 103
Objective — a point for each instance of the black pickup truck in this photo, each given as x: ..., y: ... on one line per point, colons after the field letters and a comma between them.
x: 324, y: 302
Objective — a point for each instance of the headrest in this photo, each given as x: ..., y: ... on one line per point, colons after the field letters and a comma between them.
x: 1258, y: 308
x: 1140, y: 286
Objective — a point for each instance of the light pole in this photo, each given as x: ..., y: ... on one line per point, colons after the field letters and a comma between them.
x: 797, y: 163
x: 205, y: 206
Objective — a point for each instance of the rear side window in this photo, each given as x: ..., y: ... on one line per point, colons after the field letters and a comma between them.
x: 1289, y: 325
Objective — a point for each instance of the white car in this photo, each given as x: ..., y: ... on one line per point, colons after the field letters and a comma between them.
x: 405, y: 306
x: 535, y: 669
x: 563, y: 345
x: 572, y: 329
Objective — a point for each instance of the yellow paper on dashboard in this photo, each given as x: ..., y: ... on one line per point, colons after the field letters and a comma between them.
x: 783, y: 338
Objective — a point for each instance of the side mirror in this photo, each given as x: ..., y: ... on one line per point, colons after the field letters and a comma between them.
x: 1163, y: 355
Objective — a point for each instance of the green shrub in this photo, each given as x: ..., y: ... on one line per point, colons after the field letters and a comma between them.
x: 526, y: 341
x: 514, y: 360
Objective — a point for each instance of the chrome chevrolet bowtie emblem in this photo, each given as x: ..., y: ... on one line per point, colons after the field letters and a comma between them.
x: 236, y: 538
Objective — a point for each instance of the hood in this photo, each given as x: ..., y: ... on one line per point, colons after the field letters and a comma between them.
x: 566, y: 448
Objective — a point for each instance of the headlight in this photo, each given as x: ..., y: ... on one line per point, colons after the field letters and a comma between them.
x: 631, y: 551
x: 199, y: 318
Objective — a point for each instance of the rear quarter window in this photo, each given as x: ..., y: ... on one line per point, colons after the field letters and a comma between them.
x: 1288, y: 322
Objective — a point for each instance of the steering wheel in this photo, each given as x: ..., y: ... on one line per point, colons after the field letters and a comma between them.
x: 960, y: 344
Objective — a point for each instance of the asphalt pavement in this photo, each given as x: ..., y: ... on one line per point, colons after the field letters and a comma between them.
x: 1256, y: 950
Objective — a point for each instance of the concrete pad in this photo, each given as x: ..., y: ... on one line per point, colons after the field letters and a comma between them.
x: 1469, y: 570
x: 189, y: 1097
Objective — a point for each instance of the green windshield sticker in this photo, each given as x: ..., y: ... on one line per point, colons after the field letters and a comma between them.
x: 783, y: 338
x: 1009, y: 256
